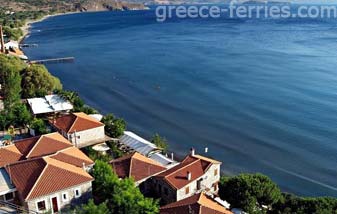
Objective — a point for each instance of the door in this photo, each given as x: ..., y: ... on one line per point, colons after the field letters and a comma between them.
x: 55, y: 205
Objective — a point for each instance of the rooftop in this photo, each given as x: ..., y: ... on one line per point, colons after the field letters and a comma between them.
x: 136, y: 166
x: 196, y: 165
x: 137, y: 143
x: 76, y: 122
x: 33, y: 147
x: 43, y: 176
x: 199, y: 203
x: 49, y: 104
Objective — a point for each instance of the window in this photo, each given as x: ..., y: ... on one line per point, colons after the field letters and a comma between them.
x: 77, y: 193
x: 9, y: 196
x: 215, y: 186
x: 215, y: 172
x: 41, y: 205
x: 64, y: 197
x: 187, y: 190
x: 165, y: 191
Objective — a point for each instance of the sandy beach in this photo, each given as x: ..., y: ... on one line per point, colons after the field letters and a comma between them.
x: 26, y: 28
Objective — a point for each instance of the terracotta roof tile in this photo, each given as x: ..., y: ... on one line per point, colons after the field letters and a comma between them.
x: 177, y: 176
x: 199, y: 204
x: 57, y: 176
x: 73, y: 156
x: 49, y: 144
x: 9, y: 154
x: 24, y: 174
x: 136, y: 166
x: 43, y: 176
x: 76, y: 122
x: 26, y: 145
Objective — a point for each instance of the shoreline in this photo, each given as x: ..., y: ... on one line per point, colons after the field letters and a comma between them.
x: 26, y: 28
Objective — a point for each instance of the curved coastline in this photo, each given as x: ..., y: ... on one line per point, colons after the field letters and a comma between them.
x: 234, y: 147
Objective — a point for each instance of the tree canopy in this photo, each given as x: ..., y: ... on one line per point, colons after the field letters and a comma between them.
x: 122, y: 196
x: 160, y: 142
x: 114, y: 127
x: 38, y: 82
x: 92, y: 208
x: 249, y: 192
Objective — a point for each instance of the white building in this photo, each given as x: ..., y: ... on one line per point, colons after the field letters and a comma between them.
x: 193, y: 175
x: 80, y: 129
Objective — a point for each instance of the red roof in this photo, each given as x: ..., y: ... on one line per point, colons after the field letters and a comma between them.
x: 44, y: 176
x: 177, y: 176
x: 73, y: 156
x: 136, y: 166
x: 76, y: 122
x: 199, y: 204
x: 33, y: 147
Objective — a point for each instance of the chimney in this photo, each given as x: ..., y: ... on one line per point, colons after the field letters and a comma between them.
x: 172, y: 156
x: 192, y: 151
x: 2, y: 42
x: 189, y: 176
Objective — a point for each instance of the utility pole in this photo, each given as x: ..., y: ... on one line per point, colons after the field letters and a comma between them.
x: 2, y: 42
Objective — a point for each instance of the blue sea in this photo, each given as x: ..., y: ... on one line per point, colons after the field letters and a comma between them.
x: 261, y: 94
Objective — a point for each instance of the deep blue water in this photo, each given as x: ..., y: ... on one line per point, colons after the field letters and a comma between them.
x: 260, y: 94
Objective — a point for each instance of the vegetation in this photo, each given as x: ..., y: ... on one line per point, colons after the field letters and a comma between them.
x: 91, y: 208
x: 114, y: 127
x: 121, y: 196
x: 39, y: 126
x: 250, y: 192
x: 95, y: 155
x: 301, y: 205
x: 76, y: 101
x: 115, y: 152
x: 160, y: 142
x: 15, y: 112
x: 38, y: 82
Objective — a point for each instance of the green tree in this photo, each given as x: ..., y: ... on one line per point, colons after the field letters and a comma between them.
x: 22, y: 116
x: 108, y: 122
x: 92, y: 208
x: 302, y: 205
x: 118, y: 128
x: 39, y: 126
x: 37, y: 82
x: 160, y: 142
x: 10, y: 80
x: 122, y: 195
x: 249, y: 192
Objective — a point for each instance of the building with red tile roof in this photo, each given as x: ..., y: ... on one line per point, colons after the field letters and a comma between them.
x: 47, y: 172
x: 194, y: 174
x: 33, y: 147
x: 80, y: 129
x: 136, y: 166
x: 198, y: 204
x: 45, y: 183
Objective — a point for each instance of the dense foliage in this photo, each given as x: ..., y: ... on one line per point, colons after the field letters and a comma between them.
x: 92, y: 208
x: 15, y: 113
x: 76, y: 101
x: 160, y: 142
x: 38, y: 82
x: 121, y: 196
x: 301, y: 205
x: 250, y: 192
x: 39, y: 126
x: 114, y: 127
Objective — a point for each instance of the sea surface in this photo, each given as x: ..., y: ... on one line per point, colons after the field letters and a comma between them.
x: 260, y: 94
